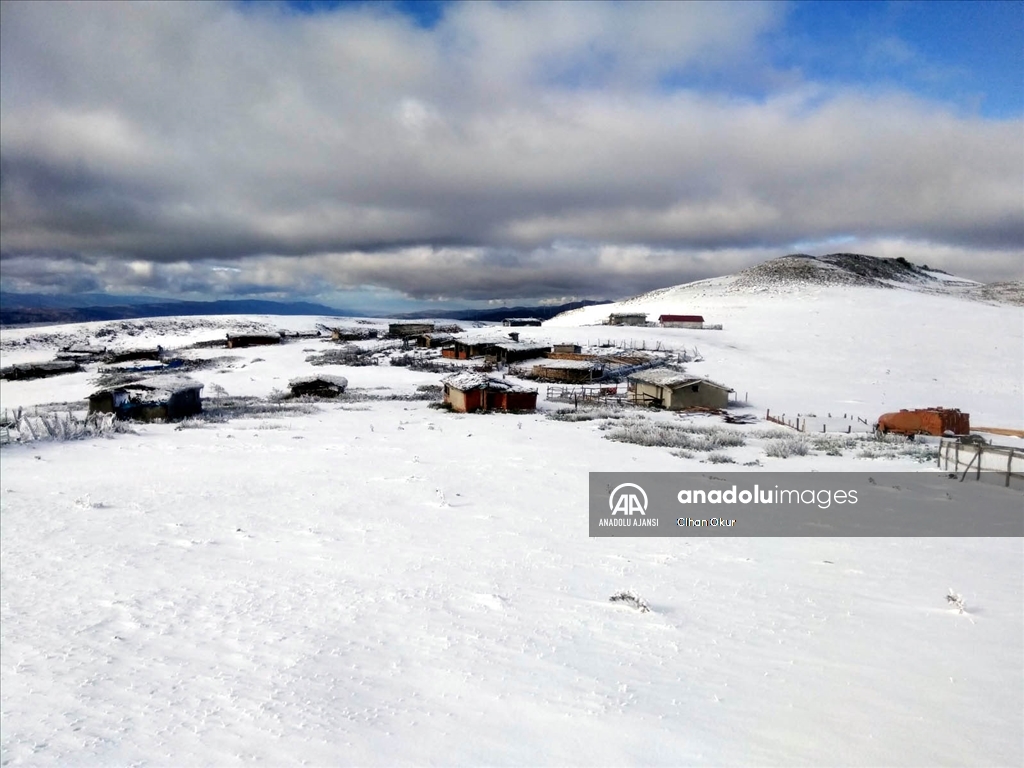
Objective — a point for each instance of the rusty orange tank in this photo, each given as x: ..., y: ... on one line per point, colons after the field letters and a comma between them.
x: 925, y: 421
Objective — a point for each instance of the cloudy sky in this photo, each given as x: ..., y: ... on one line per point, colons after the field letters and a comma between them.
x: 374, y: 154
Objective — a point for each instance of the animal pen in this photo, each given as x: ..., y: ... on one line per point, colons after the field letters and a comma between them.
x: 608, y: 393
x: 569, y: 371
x: 1003, y: 465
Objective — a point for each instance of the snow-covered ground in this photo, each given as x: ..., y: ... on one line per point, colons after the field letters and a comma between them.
x: 377, y: 582
x: 848, y: 349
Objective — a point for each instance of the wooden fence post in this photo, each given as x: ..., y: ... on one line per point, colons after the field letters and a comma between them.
x: 964, y: 475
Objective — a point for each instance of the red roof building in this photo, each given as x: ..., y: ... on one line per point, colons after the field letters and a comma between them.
x: 681, y: 319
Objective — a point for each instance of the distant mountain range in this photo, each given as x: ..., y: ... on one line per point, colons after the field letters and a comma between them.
x: 33, y: 308
x: 502, y: 313
x: 29, y: 308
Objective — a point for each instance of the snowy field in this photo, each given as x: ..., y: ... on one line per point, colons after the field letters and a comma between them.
x: 376, y: 582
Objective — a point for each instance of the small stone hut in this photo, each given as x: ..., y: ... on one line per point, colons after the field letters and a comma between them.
x: 160, y: 398
x: 319, y: 385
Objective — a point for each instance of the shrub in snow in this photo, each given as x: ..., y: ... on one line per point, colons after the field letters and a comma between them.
x: 62, y: 427
x: 833, y: 445
x: 888, y: 438
x: 724, y: 435
x: 221, y: 409
x: 721, y: 438
x: 688, y: 437
x: 890, y: 446
x: 682, y: 453
x: 926, y: 454
x: 785, y: 447
x: 956, y: 600
x: 585, y: 414
x: 871, y: 452
x: 771, y: 433
x: 720, y: 458
x: 631, y: 599
x: 651, y: 434
x: 191, y: 422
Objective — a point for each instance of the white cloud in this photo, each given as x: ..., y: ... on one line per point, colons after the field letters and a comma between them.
x: 448, y: 161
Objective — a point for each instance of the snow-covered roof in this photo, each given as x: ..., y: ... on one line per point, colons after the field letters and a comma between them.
x: 469, y: 380
x: 667, y: 377
x: 168, y: 384
x: 158, y: 387
x: 576, y: 364
x: 663, y: 377
x: 493, y: 335
x: 521, y: 346
x: 339, y: 381
x: 477, y: 341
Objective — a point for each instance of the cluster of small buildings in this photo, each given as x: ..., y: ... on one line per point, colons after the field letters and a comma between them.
x: 170, y: 397
x: 664, y: 321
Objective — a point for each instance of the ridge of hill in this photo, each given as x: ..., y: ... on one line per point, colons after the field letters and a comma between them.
x: 804, y: 274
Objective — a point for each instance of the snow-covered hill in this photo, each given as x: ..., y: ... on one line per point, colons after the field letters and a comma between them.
x: 375, y: 582
x: 844, y: 334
